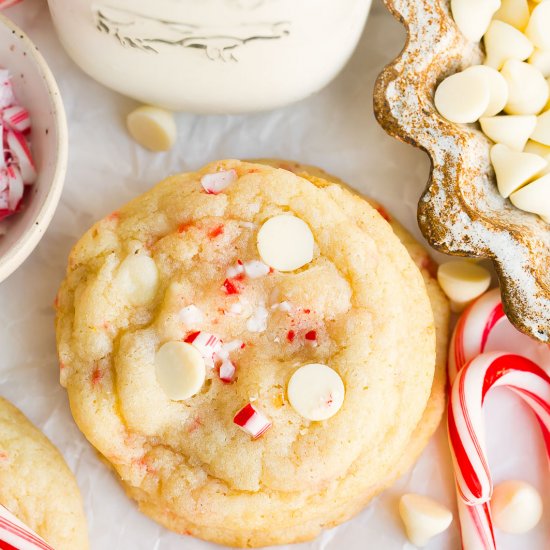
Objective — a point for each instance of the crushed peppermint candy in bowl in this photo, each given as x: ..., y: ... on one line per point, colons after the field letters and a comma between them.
x: 34, y: 137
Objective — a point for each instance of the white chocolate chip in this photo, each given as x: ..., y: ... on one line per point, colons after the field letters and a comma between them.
x: 504, y: 42
x: 152, y: 127
x: 516, y: 506
x: 534, y: 197
x: 285, y: 242
x: 527, y: 89
x: 463, y: 97
x: 538, y: 28
x: 424, y: 518
x: 541, y: 150
x: 180, y: 370
x: 514, y: 12
x: 191, y: 316
x: 463, y: 281
x: 541, y: 133
x: 541, y: 60
x: 316, y: 392
x: 511, y: 130
x: 138, y: 277
x: 514, y: 169
x: 472, y: 17
x: 498, y: 89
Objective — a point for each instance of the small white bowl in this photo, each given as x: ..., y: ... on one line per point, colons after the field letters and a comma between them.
x: 36, y: 90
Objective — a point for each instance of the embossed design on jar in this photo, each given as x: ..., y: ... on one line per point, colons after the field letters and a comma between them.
x: 147, y: 33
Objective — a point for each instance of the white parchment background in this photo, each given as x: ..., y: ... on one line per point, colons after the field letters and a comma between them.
x: 334, y: 129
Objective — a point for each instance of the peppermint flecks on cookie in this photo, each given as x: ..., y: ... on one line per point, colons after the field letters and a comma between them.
x: 180, y: 370
x: 227, y: 371
x: 316, y: 392
x: 285, y: 243
x: 216, y: 182
x: 207, y: 344
x: 252, y: 421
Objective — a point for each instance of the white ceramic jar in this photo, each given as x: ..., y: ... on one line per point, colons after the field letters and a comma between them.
x: 211, y: 56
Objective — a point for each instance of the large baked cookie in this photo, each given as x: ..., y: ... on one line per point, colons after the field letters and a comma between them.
x: 169, y: 264
x: 36, y: 485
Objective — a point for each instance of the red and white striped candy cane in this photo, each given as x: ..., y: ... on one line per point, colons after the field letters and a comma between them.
x: 466, y: 432
x: 15, y: 535
x: 472, y: 330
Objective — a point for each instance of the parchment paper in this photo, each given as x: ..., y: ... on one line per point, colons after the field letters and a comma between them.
x: 334, y: 129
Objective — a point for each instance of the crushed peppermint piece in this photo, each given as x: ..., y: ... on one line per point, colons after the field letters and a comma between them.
x: 227, y: 371
x: 276, y: 339
x: 234, y: 345
x: 17, y: 117
x: 311, y: 335
x: 255, y: 269
x: 252, y: 421
x: 216, y: 231
x: 19, y: 148
x: 235, y: 270
x: 191, y: 315
x: 258, y: 321
x: 207, y: 344
x: 282, y: 306
x: 230, y: 287
x: 290, y: 335
x: 216, y: 182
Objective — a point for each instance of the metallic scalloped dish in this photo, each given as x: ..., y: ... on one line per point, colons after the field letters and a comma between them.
x: 461, y: 212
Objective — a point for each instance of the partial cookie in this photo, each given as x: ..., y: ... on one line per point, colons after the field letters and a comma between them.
x: 36, y: 485
x: 440, y: 306
x: 239, y: 463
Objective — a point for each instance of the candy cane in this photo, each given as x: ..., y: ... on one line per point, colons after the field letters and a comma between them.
x: 472, y: 330
x: 16, y: 534
x: 466, y: 431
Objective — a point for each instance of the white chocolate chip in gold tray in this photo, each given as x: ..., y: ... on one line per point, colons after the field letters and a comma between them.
x: 504, y: 42
x: 137, y: 278
x: 541, y: 60
x: 516, y: 506
x: 473, y: 16
x: 316, y: 392
x: 534, y: 197
x: 514, y: 12
x: 541, y: 133
x: 423, y: 517
x: 538, y: 28
x: 539, y: 149
x: 285, y: 242
x: 514, y: 169
x: 463, y: 97
x: 527, y: 89
x: 180, y: 370
x: 498, y: 88
x: 463, y: 281
x: 510, y: 130
x: 152, y: 127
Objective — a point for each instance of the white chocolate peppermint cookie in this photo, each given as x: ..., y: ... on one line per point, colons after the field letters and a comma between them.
x: 196, y: 452
x: 36, y: 484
